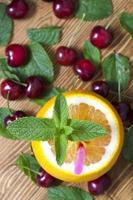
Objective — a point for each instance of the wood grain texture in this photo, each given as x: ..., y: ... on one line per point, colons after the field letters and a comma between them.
x: 13, y: 184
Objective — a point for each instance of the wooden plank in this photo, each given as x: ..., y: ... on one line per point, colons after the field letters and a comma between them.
x: 13, y: 184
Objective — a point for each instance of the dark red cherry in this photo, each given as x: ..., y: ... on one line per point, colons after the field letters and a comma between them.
x: 17, y: 9
x: 9, y: 119
x: 99, y: 185
x: 64, y: 8
x: 101, y: 37
x: 123, y: 109
x: 16, y: 55
x: 66, y: 56
x: 11, y: 90
x: 85, y: 69
x: 35, y: 87
x: 19, y: 114
x: 16, y: 115
x: 101, y: 88
x: 45, y: 179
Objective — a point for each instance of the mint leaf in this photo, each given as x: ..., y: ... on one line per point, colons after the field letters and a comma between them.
x: 84, y: 130
x: 32, y: 128
x: 94, y: 9
x: 6, y: 71
x: 60, y: 114
x: 117, y: 70
x: 5, y: 133
x: 28, y: 164
x: 48, y: 95
x: 46, y: 36
x: 38, y: 65
x: 128, y: 145
x: 67, y: 130
x: 61, y: 143
x: 92, y: 53
x: 6, y: 26
x: 68, y: 193
x: 126, y: 21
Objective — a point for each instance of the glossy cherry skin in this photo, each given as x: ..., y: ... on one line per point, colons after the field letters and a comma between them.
x: 123, y: 109
x: 9, y: 119
x: 85, y: 69
x: 19, y: 114
x: 99, y: 185
x: 64, y: 8
x: 45, y: 179
x: 101, y: 88
x: 101, y: 37
x: 34, y: 87
x: 17, y: 9
x: 66, y: 56
x: 16, y: 55
x: 16, y: 115
x: 11, y: 90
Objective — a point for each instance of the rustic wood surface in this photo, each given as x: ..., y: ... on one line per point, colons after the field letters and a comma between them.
x: 13, y: 184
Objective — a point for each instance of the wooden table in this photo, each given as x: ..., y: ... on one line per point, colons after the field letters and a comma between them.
x: 13, y: 184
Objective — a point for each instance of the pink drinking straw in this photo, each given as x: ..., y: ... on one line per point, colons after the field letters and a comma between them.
x: 80, y: 158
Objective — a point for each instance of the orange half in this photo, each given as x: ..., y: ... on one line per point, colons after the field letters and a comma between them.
x: 100, y: 153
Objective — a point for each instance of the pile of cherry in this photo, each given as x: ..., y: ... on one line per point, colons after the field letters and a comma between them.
x: 17, y: 56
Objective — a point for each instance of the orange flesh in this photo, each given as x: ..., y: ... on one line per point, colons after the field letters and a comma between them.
x: 94, y: 149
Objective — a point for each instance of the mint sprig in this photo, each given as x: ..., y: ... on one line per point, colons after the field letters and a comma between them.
x: 60, y: 129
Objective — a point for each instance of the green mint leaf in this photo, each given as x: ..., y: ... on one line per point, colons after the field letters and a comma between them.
x: 28, y: 164
x: 128, y: 145
x: 60, y: 114
x: 92, y: 53
x: 126, y: 21
x: 117, y: 70
x: 32, y: 128
x: 38, y: 65
x: 84, y: 130
x: 48, y: 95
x: 94, y: 9
x: 67, y: 130
x: 6, y: 26
x: 46, y: 36
x: 61, y: 143
x: 68, y: 193
x: 6, y: 71
x: 5, y: 133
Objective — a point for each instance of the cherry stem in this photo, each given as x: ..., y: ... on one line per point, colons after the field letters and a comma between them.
x: 112, y: 20
x: 23, y: 84
x: 76, y: 31
x: 8, y: 105
x: 118, y: 77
